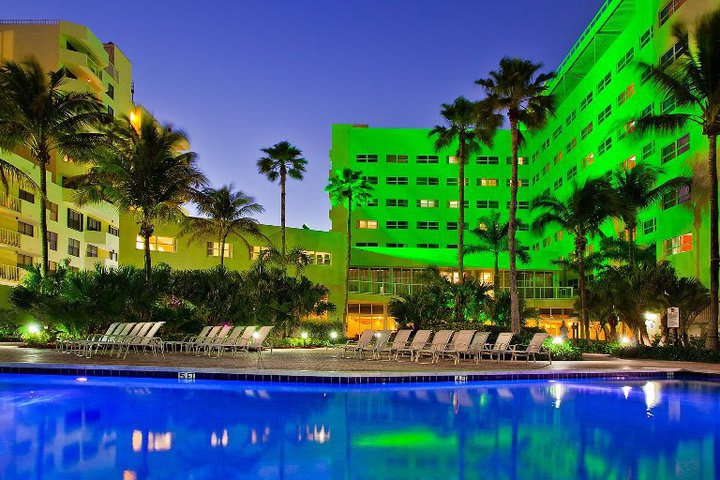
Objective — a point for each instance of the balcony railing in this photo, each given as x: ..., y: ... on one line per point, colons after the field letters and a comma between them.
x: 11, y: 273
x: 113, y: 72
x: 390, y: 288
x: 10, y: 202
x: 9, y: 238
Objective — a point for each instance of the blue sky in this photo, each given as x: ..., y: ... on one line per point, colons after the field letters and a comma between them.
x: 242, y: 75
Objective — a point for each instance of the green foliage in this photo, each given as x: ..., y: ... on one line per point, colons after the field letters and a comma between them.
x: 10, y: 321
x: 675, y: 353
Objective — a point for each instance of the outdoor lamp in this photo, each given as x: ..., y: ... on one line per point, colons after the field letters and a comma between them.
x: 33, y: 328
x: 333, y: 335
x: 304, y: 335
x: 557, y: 340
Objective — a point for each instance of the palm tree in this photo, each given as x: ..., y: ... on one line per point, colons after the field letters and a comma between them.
x: 462, y: 126
x: 146, y: 172
x: 281, y: 161
x: 692, y: 83
x: 36, y: 115
x: 636, y: 190
x: 492, y: 235
x: 581, y: 215
x: 295, y: 258
x: 225, y: 212
x: 518, y: 91
x: 349, y: 188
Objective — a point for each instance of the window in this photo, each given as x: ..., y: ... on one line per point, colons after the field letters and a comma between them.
x: 113, y: 230
x: 159, y: 244
x: 427, y: 159
x: 678, y: 244
x: 428, y: 245
x: 454, y: 181
x: 589, y: 160
x: 586, y: 131
x: 585, y: 102
x: 213, y: 249
x: 676, y: 197
x: 626, y: 129
x: 370, y: 180
x: 367, y: 224
x: 451, y: 245
x: 523, y: 227
x: 373, y: 202
x: 454, y: 225
x: 93, y: 224
x: 395, y: 245
x: 452, y: 159
x: 649, y: 226
x: 546, y: 144
x: 396, y: 180
x: 52, y: 209
x: 521, y: 205
x: 646, y: 37
x: 111, y: 91
x: 366, y: 244
x: 73, y: 247
x: 74, y: 220
x: 536, y: 178
x: 604, y: 114
x: 522, y: 182
x: 521, y: 161
x: 24, y: 260
x: 668, y: 105
x: 667, y: 11
x: 487, y: 182
x: 674, y: 52
x: 487, y: 160
x: 396, y: 202
x: 456, y: 203
x: 648, y: 150
x: 396, y: 158
x: 113, y: 255
x: 570, y: 118
x: 571, y: 173
x: 427, y: 181
x: 428, y: 225
x: 427, y: 203
x: 604, y: 82
x: 558, y: 183
x: 626, y: 60
x: 487, y: 204
x: 52, y: 240
x: 629, y: 163
x: 256, y: 251
x: 366, y: 158
x: 571, y: 145
x: 675, y: 149
x: 546, y: 168
x: 92, y: 251
x: 27, y: 196
x: 647, y: 111
x: 605, y: 146
x: 557, y: 132
x: 626, y: 94
x: 396, y: 225
x: 26, y: 229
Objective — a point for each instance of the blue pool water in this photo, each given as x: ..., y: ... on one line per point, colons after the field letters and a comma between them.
x: 65, y: 428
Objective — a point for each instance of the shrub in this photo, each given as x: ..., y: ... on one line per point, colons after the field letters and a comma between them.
x: 676, y: 353
x: 567, y: 350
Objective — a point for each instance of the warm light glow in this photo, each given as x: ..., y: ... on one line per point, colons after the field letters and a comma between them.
x: 557, y: 390
x: 626, y: 391
x: 33, y: 328
x: 129, y: 475
x: 652, y: 395
x: 81, y: 379
x: 304, y: 335
x: 333, y: 335
x: 624, y: 339
x: 557, y: 340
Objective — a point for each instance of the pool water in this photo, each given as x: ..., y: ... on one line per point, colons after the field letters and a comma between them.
x: 137, y: 429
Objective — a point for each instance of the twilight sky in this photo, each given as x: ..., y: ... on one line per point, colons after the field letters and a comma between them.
x: 240, y: 75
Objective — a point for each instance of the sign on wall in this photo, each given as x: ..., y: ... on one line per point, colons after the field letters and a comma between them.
x: 673, y: 317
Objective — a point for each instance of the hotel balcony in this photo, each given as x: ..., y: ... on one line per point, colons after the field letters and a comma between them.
x: 391, y: 288
x: 83, y: 67
x: 11, y: 203
x: 11, y: 274
x: 9, y: 238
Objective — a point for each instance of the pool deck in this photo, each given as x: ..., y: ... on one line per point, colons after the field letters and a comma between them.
x: 325, y: 365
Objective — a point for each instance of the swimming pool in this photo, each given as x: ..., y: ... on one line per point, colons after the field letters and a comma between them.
x: 54, y: 427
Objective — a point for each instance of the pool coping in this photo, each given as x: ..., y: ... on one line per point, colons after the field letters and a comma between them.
x: 342, y: 377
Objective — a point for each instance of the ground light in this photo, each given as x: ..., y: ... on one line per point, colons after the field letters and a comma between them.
x: 558, y: 340
x: 304, y: 335
x: 33, y: 328
x: 333, y: 335
x: 624, y: 339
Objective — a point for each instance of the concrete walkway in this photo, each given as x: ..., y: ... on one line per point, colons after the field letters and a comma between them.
x: 304, y: 361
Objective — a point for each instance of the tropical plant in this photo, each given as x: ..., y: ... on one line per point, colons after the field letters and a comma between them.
x: 348, y: 188
x: 581, y: 215
x: 691, y: 83
x: 224, y: 212
x: 691, y: 297
x: 296, y: 258
x: 517, y: 90
x: 698, y: 204
x: 281, y: 161
x: 636, y: 190
x: 492, y: 236
x: 464, y: 128
x: 499, y: 311
x: 38, y: 116
x: 601, y: 297
x: 146, y: 171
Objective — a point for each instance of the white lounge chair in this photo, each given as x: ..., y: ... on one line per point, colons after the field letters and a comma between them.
x: 111, y: 341
x: 245, y: 339
x: 379, y: 342
x: 220, y: 344
x: 533, y: 350
x: 144, y: 341
x: 363, y: 341
x: 419, y: 341
x: 179, y: 345
x: 64, y: 345
x: 478, y: 343
x: 216, y: 333
x: 460, y: 345
x: 439, y: 342
x: 256, y: 342
x: 499, y: 349
x: 401, y: 340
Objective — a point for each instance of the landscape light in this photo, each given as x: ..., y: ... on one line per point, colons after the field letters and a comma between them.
x: 557, y: 340
x: 304, y: 335
x: 33, y: 328
x: 333, y: 335
x: 624, y: 339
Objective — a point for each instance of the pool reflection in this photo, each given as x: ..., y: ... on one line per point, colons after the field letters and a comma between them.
x: 54, y: 428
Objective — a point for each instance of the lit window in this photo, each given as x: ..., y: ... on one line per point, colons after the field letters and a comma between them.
x: 213, y: 249
x: 630, y: 163
x: 456, y: 203
x: 396, y: 158
x: 586, y: 131
x: 678, y: 244
x: 626, y: 94
x: 256, y: 251
x: 319, y: 258
x: 589, y: 160
x: 367, y: 224
x: 487, y: 182
x: 157, y: 244
x: 427, y: 203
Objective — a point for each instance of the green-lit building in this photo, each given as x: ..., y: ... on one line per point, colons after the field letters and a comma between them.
x: 601, y: 90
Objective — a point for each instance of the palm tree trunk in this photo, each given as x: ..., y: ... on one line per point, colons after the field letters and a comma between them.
x: 283, y: 178
x: 43, y: 214
x: 711, y: 342
x: 146, y: 231
x: 348, y: 237
x: 496, y: 274
x: 631, y: 226
x: 461, y: 229
x: 512, y: 226
x: 584, y: 311
x: 222, y: 251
